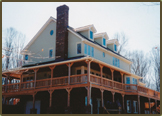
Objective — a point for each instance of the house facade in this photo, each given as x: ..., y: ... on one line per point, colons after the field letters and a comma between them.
x: 69, y: 70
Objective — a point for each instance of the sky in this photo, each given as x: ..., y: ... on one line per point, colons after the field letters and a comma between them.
x: 139, y: 22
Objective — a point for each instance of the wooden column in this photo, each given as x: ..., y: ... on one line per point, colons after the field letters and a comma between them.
x: 6, y: 82
x: 101, y: 67
x: 113, y: 93
x: 102, y: 102
x: 34, y: 100
x: 88, y: 95
x: 68, y: 99
x: 123, y: 101
x: 88, y: 70
x: 35, y: 78
x: 112, y: 76
x: 156, y: 106
x: 139, y: 110
x: 52, y: 68
x: 69, y: 71
x: 122, y: 78
x: 20, y: 83
x: 149, y: 105
x: 7, y: 101
x: 50, y: 100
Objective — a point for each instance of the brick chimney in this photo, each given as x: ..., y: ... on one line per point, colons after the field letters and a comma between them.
x: 62, y: 33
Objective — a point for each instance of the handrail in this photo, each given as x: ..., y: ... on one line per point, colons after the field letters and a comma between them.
x: 80, y: 79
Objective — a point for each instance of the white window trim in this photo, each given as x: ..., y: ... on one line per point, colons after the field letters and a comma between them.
x: 130, y: 106
x: 52, y: 53
x: 77, y: 48
x: 134, y: 102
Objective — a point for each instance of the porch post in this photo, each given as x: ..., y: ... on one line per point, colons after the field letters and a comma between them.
x: 112, y: 76
x: 33, y: 110
x: 4, y: 100
x: 156, y: 106
x: 68, y: 100
x: 50, y: 101
x: 139, y: 110
x: 149, y: 106
x: 101, y: 67
x: 88, y: 95
x: 102, y: 102
x: 20, y: 82
x: 6, y: 82
x: 113, y: 93
x: 123, y: 102
x: 69, y: 71
x: 88, y: 71
x: 35, y: 70
x: 122, y: 78
x: 51, y: 67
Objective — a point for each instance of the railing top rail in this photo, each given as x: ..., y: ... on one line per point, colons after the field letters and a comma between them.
x: 59, y: 77
x: 78, y: 75
x: 43, y: 79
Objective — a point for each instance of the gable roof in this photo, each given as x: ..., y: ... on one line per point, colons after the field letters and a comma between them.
x: 97, y: 35
x: 87, y: 27
x: 38, y: 33
x: 113, y: 41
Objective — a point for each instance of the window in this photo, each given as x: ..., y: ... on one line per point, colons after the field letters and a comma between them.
x: 103, y: 54
x: 116, y: 62
x: 79, y: 48
x: 128, y: 106
x: 85, y: 71
x: 135, y: 106
x: 92, y: 48
x: 89, y: 50
x: 51, y: 32
x: 50, y: 53
x: 91, y: 35
x: 104, y: 41
x: 134, y: 81
x: 115, y: 47
x: 127, y: 80
x: 26, y: 57
x: 85, y: 48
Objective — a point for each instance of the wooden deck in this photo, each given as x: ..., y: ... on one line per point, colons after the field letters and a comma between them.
x: 79, y: 81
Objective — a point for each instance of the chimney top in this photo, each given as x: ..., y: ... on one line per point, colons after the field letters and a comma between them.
x: 63, y: 7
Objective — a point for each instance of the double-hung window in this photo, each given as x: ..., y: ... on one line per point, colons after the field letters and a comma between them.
x: 26, y: 57
x: 92, y: 50
x: 79, y: 48
x: 135, y: 107
x: 50, y: 53
x: 91, y: 35
x: 116, y: 62
x: 85, y: 48
x: 128, y: 106
x: 104, y: 42
x: 89, y: 50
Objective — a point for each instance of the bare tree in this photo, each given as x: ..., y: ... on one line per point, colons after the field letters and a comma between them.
x: 140, y: 65
x: 155, y: 57
x: 12, y: 43
x: 123, y: 40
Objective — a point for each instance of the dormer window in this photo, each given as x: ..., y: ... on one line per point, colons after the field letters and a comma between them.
x: 91, y: 35
x: 26, y: 57
x: 115, y: 48
x: 50, y: 53
x: 104, y: 42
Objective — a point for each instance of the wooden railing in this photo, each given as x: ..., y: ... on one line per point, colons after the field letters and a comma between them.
x: 79, y: 79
